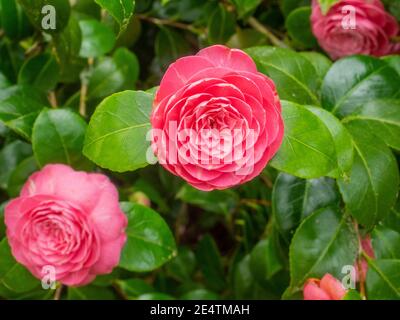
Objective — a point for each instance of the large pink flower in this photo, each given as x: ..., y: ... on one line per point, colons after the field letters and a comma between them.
x: 69, y: 221
x: 328, y: 288
x: 369, y: 33
x: 216, y: 120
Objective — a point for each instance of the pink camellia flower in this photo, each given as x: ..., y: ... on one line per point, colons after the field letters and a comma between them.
x: 216, y: 120
x: 355, y: 27
x: 328, y: 288
x: 67, y: 222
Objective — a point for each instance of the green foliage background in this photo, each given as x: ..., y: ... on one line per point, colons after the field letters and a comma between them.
x: 63, y: 94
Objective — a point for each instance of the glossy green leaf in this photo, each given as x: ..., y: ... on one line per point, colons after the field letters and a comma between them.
x: 41, y: 71
x: 315, y: 144
x: 97, y: 39
x: 116, y: 135
x: 294, y: 199
x: 19, y: 107
x: 217, y: 201
x: 10, y: 156
x: 122, y: 11
x: 12, y: 274
x: 324, y: 243
x: 295, y: 77
x: 150, y: 242
x: 371, y: 189
x: 299, y: 27
x: 355, y: 80
x: 209, y: 259
x: 383, y: 279
x: 386, y: 243
x: 221, y: 25
x: 57, y: 137
x: 40, y: 14
x: 382, y: 117
x: 114, y: 74
x: 20, y: 175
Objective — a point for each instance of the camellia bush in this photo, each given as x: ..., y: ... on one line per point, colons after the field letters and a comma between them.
x: 187, y: 149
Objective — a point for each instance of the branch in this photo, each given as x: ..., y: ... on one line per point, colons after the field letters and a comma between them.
x: 58, y: 292
x: 265, y: 31
x: 84, y: 87
x: 175, y: 24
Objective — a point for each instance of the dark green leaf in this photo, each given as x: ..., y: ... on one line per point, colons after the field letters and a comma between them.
x: 20, y: 174
x: 217, y: 201
x: 182, y: 266
x: 265, y: 261
x: 324, y: 243
x: 210, y: 263
x: 19, y: 107
x: 294, y: 199
x: 13, y: 275
x: 91, y: 293
x: 133, y: 288
x: 10, y: 156
x: 41, y: 72
x: 299, y: 27
x: 14, y: 22
x: 170, y: 46
x: 221, y: 25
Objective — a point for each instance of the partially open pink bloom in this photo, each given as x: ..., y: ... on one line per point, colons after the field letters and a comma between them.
x: 368, y: 31
x: 362, y: 268
x: 66, y: 221
x: 216, y: 120
x: 328, y: 288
